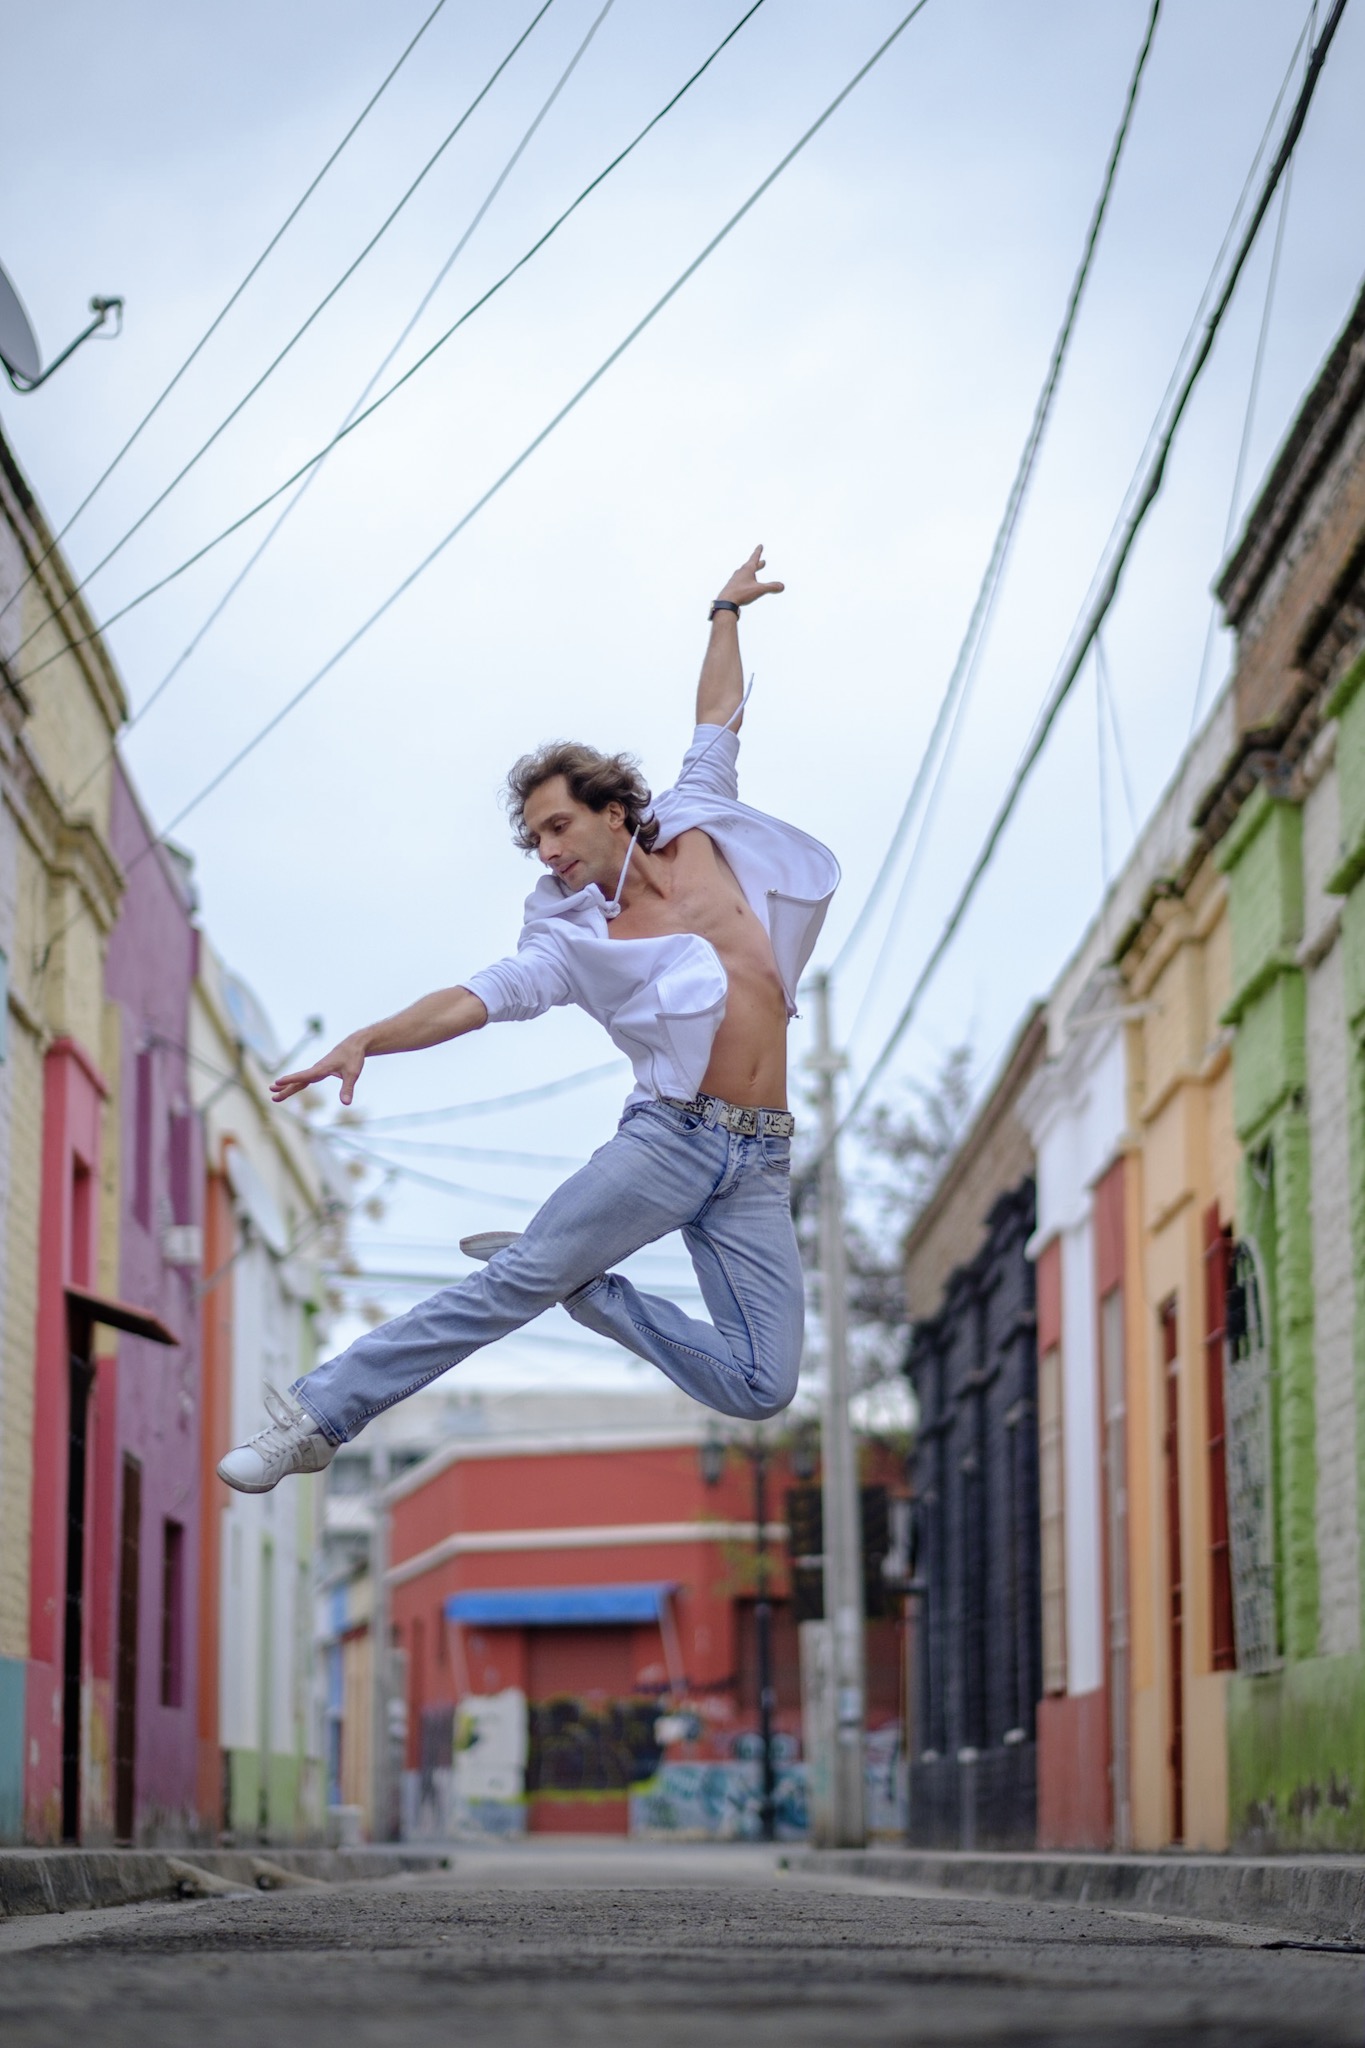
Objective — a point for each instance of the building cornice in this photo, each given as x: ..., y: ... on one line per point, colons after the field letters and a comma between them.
x: 1314, y: 438
x: 548, y: 1444
x: 610, y: 1536
x: 67, y: 614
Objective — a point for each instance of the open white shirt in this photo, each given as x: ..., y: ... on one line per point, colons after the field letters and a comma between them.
x: 661, y: 1000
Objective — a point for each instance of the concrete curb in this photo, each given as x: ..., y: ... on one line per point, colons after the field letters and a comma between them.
x: 74, y: 1880
x: 1321, y: 1898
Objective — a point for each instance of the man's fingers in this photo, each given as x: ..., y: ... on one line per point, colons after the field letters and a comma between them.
x: 291, y: 1083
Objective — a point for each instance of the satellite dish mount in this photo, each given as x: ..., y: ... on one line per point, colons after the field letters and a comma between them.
x: 19, y: 351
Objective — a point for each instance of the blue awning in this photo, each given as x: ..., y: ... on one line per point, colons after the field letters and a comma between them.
x: 558, y: 1606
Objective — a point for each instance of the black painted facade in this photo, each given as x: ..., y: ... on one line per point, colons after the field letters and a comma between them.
x: 977, y: 1638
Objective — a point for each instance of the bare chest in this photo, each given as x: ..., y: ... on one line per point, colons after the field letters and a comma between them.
x: 702, y: 898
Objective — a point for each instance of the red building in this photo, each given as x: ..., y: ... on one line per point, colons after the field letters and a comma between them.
x: 600, y: 1580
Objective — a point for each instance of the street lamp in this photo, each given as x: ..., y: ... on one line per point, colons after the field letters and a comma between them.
x: 711, y: 1456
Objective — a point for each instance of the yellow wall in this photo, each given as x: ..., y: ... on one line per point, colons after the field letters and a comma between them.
x: 1177, y: 970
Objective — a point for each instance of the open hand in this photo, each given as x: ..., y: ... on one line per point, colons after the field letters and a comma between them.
x: 744, y: 585
x: 343, y: 1063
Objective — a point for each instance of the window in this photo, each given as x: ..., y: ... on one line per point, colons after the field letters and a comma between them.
x: 142, y: 1138
x: 182, y: 1166
x: 172, y: 1614
x: 1052, y: 1507
x: 82, y: 1197
x: 1217, y: 1265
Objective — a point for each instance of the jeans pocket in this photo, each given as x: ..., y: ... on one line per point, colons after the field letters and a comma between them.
x: 775, y: 1154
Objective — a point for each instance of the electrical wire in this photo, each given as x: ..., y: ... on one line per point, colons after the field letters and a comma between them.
x: 485, y: 1154
x: 215, y: 782
x: 489, y: 1104
x: 428, y: 1180
x: 1104, y: 685
x: 1110, y: 575
x: 390, y: 356
x: 320, y: 454
x: 102, y: 479
x: 963, y: 670
x: 1244, y: 448
x: 299, y: 332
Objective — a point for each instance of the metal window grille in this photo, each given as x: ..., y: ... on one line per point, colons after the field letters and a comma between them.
x: 1248, y: 1392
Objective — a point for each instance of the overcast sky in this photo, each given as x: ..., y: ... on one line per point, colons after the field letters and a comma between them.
x: 849, y: 379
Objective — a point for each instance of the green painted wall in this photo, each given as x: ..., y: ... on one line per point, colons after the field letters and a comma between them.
x: 1262, y: 857
x: 1296, y: 1738
x: 286, y: 1782
x: 1347, y: 705
x: 12, y: 1671
x: 1296, y: 1756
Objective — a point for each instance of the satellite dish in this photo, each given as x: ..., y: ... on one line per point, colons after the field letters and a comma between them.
x: 18, y: 343
x: 19, y: 351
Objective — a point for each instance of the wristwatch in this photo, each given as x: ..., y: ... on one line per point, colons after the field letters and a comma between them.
x: 722, y: 604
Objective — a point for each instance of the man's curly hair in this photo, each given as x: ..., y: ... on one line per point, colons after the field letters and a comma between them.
x: 594, y: 779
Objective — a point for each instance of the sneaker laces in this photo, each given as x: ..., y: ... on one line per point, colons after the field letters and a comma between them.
x: 286, y: 1417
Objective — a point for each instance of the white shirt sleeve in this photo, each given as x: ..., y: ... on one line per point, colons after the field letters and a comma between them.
x: 515, y: 990
x: 711, y: 764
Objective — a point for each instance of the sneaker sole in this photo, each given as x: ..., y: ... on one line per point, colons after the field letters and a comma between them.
x: 243, y: 1486
x: 484, y: 1243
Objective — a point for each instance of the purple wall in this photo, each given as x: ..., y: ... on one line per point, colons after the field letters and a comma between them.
x: 149, y: 974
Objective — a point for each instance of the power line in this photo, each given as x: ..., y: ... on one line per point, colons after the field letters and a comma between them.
x: 1109, y: 579
x: 546, y: 431
x: 311, y: 478
x: 488, y: 1104
x: 299, y: 332
x: 484, y: 1154
x: 102, y: 479
x: 320, y: 455
x: 1244, y: 447
x: 973, y: 640
x: 428, y: 1180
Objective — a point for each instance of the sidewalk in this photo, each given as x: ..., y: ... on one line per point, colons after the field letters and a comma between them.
x: 73, y: 1880
x: 1321, y: 1898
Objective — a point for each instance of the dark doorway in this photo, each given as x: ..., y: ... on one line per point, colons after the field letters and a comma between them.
x: 1170, y: 1360
x: 125, y: 1697
x: 82, y: 1375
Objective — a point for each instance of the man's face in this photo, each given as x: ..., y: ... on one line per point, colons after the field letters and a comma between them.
x: 577, y: 844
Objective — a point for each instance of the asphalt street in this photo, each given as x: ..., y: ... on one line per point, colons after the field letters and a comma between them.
x: 567, y: 1943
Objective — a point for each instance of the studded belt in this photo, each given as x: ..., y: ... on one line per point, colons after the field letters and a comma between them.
x: 737, y: 1117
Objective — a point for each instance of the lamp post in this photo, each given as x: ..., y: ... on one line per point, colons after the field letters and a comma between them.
x: 712, y: 1457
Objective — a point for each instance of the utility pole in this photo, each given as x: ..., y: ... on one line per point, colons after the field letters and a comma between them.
x: 383, y: 1784
x: 843, y: 1563
x: 763, y: 1628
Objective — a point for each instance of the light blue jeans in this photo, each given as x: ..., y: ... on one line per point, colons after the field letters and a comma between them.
x: 666, y: 1169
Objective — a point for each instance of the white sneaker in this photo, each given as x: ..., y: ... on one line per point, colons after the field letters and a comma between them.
x: 484, y: 1243
x: 290, y: 1442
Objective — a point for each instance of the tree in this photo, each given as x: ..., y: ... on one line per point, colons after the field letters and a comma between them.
x: 905, y: 1147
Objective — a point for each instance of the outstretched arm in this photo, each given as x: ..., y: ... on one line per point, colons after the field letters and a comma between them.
x: 720, y: 691
x: 431, y: 1020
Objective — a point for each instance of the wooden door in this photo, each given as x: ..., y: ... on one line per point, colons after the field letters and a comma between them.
x: 1176, y: 1614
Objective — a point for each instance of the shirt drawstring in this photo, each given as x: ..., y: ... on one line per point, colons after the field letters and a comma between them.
x: 613, y: 908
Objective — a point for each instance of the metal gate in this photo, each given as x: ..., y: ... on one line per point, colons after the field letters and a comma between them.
x: 1248, y: 1393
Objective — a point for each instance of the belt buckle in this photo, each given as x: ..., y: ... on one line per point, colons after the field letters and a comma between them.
x: 746, y: 1123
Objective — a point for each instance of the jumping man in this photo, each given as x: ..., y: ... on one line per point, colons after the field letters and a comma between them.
x: 683, y: 927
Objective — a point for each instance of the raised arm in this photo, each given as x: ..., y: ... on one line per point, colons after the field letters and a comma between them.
x: 720, y: 690
x: 431, y: 1020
